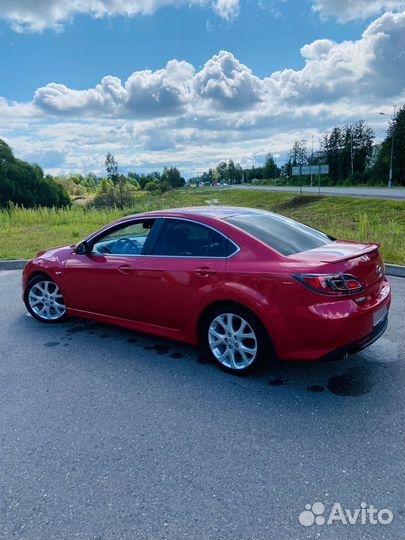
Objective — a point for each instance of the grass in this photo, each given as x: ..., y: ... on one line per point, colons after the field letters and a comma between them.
x: 24, y: 232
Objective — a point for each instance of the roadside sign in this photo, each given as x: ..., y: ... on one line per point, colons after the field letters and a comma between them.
x: 305, y: 170
x: 324, y: 169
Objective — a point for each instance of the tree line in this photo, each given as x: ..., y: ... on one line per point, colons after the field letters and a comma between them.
x: 118, y: 190
x: 25, y: 184
x: 349, y: 150
x: 115, y: 189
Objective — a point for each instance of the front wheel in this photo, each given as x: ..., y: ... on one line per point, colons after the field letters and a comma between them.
x: 44, y: 300
x: 235, y: 339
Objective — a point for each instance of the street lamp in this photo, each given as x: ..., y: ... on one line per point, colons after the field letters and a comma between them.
x: 392, y: 145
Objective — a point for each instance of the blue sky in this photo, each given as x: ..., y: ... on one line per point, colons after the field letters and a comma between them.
x: 88, y: 49
x: 288, y: 69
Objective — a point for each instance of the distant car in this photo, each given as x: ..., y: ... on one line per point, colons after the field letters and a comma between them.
x: 247, y: 284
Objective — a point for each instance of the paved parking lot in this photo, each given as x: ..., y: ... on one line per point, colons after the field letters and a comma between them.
x: 106, y: 433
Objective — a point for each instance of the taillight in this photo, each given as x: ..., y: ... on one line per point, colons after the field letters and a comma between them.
x: 331, y: 284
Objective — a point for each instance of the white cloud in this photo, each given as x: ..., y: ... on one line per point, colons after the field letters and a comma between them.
x: 227, y: 83
x: 317, y: 49
x: 193, y: 119
x: 38, y: 15
x: 227, y: 9
x: 145, y: 93
x: 160, y: 93
x: 368, y: 68
x: 350, y: 10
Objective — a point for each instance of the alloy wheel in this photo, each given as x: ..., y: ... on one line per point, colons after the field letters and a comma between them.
x: 46, y: 301
x: 232, y: 341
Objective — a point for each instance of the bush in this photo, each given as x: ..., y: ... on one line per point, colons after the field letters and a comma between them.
x: 153, y: 186
x: 111, y: 195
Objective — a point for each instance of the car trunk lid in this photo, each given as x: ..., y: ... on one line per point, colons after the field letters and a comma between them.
x: 363, y: 261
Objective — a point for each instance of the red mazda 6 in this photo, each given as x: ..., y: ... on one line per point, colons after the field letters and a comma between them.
x: 246, y: 283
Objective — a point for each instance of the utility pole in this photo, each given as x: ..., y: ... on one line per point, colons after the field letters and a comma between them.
x: 351, y: 150
x: 392, y: 145
x: 391, y: 158
x: 312, y: 157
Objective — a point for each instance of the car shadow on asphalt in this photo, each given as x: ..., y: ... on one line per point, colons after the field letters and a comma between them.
x: 355, y: 375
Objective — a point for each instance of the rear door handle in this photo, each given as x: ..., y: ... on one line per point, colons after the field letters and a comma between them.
x: 204, y: 271
x: 126, y: 269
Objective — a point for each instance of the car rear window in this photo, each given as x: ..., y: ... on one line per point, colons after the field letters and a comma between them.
x: 280, y: 233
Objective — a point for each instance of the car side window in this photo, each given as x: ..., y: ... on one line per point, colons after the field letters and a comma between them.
x: 125, y: 240
x: 180, y: 238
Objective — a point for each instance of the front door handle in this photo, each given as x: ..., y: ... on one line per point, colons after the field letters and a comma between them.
x: 126, y: 269
x: 204, y: 271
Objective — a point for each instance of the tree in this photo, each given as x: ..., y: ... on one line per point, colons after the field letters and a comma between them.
x: 119, y: 189
x: 286, y: 169
x: 396, y: 133
x: 348, y: 150
x: 239, y: 174
x: 298, y: 153
x: 153, y: 186
x: 270, y: 167
x: 114, y: 196
x: 6, y: 154
x: 173, y: 177
x: 216, y: 176
x: 222, y: 171
x: 331, y: 145
x: 24, y: 183
x: 112, y: 168
x: 232, y: 172
x: 362, y: 137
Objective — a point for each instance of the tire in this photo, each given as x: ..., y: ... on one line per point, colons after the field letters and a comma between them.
x: 44, y: 301
x: 235, y: 339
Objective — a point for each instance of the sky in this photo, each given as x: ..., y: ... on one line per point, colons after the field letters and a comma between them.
x: 191, y: 82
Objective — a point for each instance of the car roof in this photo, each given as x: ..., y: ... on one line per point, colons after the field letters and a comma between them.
x: 216, y: 212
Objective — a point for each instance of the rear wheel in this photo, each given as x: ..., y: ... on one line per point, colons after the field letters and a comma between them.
x: 44, y: 300
x: 235, y: 339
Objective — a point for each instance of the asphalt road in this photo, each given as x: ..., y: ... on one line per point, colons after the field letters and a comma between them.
x: 106, y: 433
x: 375, y: 193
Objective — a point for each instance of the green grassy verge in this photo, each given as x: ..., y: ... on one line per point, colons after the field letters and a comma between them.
x: 25, y: 232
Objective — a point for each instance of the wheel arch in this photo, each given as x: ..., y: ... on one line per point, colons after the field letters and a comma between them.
x: 209, y: 308
x: 38, y: 273
x: 29, y: 283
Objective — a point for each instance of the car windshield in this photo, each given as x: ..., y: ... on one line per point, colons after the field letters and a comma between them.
x: 280, y: 233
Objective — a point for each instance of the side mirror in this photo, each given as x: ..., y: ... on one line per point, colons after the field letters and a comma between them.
x: 83, y: 248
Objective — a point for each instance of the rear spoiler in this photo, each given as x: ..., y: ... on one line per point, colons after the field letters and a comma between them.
x: 370, y: 249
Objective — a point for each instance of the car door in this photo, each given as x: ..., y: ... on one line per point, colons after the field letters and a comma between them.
x: 105, y: 280
x: 185, y: 262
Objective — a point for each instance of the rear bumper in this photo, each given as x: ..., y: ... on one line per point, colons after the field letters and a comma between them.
x: 329, y: 329
x: 359, y: 345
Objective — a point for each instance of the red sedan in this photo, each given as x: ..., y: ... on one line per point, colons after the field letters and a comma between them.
x: 248, y: 284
